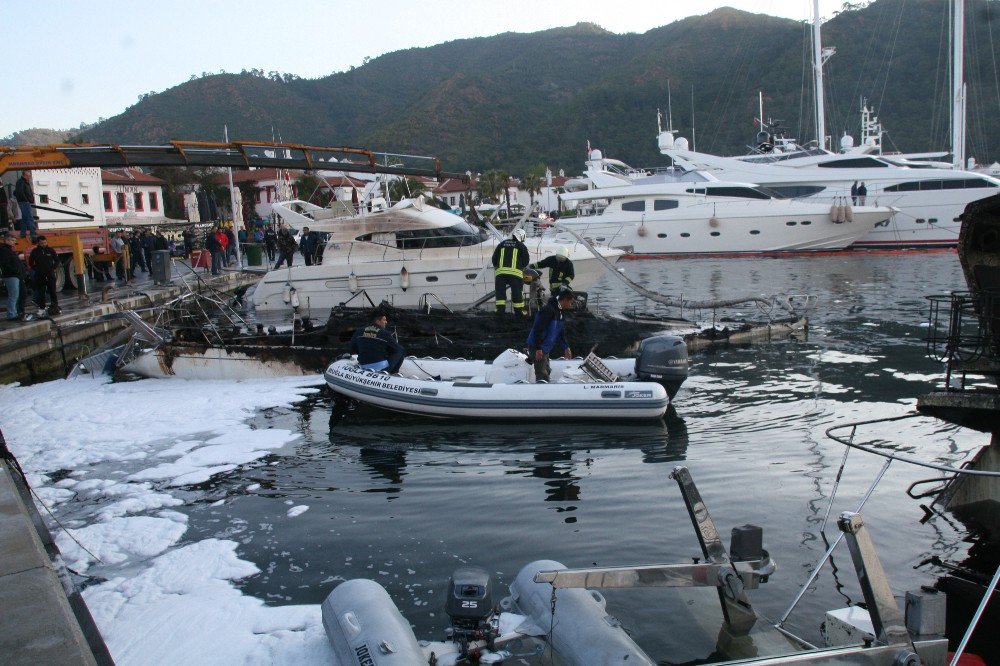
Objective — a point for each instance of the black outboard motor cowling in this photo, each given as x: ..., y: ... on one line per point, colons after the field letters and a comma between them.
x: 663, y: 359
x: 470, y: 598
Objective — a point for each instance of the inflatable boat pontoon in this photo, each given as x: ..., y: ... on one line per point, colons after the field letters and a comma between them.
x: 590, y: 388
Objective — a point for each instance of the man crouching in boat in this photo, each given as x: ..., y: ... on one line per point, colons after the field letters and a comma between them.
x: 375, y: 347
x: 548, y: 333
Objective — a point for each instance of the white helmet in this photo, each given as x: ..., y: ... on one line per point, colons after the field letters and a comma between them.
x: 519, y: 234
x: 563, y: 251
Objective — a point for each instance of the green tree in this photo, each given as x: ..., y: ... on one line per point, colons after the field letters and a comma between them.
x: 248, y: 193
x: 407, y: 188
x: 532, y: 181
x: 174, y: 180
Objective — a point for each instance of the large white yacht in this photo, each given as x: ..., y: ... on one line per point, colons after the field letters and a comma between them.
x: 681, y: 213
x: 409, y: 254
x: 927, y: 201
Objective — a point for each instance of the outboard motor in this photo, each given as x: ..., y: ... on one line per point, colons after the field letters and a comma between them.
x: 470, y: 606
x: 663, y: 359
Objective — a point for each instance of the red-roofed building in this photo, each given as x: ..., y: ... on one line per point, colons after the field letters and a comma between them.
x: 131, y: 197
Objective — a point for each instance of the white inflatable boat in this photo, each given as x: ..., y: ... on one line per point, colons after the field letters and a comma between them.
x: 505, y: 388
x: 364, y: 626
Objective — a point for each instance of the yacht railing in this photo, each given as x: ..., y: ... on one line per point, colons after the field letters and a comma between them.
x: 963, y: 332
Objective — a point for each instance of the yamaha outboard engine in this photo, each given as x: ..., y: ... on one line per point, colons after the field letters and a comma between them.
x: 469, y: 604
x: 663, y: 359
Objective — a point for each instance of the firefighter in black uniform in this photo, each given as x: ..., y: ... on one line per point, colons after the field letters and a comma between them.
x: 375, y: 346
x: 560, y: 267
x: 509, y: 261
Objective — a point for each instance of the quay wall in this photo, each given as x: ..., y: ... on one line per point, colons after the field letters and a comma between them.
x: 45, y: 349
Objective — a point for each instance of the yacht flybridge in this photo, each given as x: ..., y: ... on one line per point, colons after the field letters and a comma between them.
x: 679, y: 213
x: 408, y: 254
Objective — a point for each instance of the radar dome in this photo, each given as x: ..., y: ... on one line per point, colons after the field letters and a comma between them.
x: 681, y: 143
x: 596, y: 154
x: 665, y: 140
x: 846, y: 142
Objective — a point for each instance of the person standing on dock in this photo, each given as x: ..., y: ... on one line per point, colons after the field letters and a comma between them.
x: 509, y: 261
x: 25, y: 196
x: 560, y: 266
x: 270, y: 242
x: 13, y: 274
x: 375, y: 346
x: 44, y: 261
x: 548, y: 333
x: 214, y: 247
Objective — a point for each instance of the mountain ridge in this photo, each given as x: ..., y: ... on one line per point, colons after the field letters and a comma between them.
x: 514, y: 100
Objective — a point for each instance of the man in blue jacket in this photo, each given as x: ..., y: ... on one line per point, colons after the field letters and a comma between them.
x: 375, y: 346
x: 548, y: 333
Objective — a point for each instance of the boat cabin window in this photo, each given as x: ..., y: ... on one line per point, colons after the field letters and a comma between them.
x: 793, y: 191
x: 457, y: 235
x: 950, y: 184
x: 664, y: 204
x: 695, y: 190
x: 856, y: 163
x: 634, y: 206
x: 740, y: 192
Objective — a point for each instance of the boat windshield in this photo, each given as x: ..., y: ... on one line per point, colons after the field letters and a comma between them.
x: 456, y: 235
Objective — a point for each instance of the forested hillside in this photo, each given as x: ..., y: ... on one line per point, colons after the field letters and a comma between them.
x: 514, y: 100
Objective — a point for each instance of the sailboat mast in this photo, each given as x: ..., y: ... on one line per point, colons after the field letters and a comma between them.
x: 818, y: 74
x: 958, y: 86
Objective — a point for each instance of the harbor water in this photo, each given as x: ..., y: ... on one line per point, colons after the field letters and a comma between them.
x: 404, y: 500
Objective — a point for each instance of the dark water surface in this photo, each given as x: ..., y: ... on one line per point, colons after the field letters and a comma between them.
x: 404, y: 501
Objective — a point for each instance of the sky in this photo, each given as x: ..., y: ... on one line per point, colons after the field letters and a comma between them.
x: 73, y: 62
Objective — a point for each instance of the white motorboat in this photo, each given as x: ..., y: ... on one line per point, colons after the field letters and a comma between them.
x: 696, y: 213
x: 590, y: 388
x: 409, y: 255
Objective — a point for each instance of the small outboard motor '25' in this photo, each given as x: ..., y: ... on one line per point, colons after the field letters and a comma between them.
x: 663, y: 359
x: 470, y: 607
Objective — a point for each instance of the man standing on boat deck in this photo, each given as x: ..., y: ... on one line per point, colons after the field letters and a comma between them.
x: 854, y: 193
x: 862, y: 193
x: 308, y: 245
x: 509, y: 261
x: 560, y: 266
x: 548, y: 333
x: 286, y: 248
x: 375, y: 346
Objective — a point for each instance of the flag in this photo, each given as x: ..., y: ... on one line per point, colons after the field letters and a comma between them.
x: 588, y: 149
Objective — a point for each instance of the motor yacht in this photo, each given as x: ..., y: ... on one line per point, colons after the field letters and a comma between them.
x: 410, y: 254
x: 927, y: 201
x: 681, y: 213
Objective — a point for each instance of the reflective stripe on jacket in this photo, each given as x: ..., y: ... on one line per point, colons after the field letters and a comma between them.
x: 510, y: 257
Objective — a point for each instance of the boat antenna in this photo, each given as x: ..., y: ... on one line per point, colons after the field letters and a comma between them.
x: 694, y: 143
x: 670, y: 114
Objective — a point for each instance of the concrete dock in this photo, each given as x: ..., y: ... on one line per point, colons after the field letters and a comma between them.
x: 44, y: 349
x: 44, y: 620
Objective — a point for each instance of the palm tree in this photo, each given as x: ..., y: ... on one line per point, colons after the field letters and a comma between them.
x: 406, y: 188
x: 490, y: 184
x: 532, y: 182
